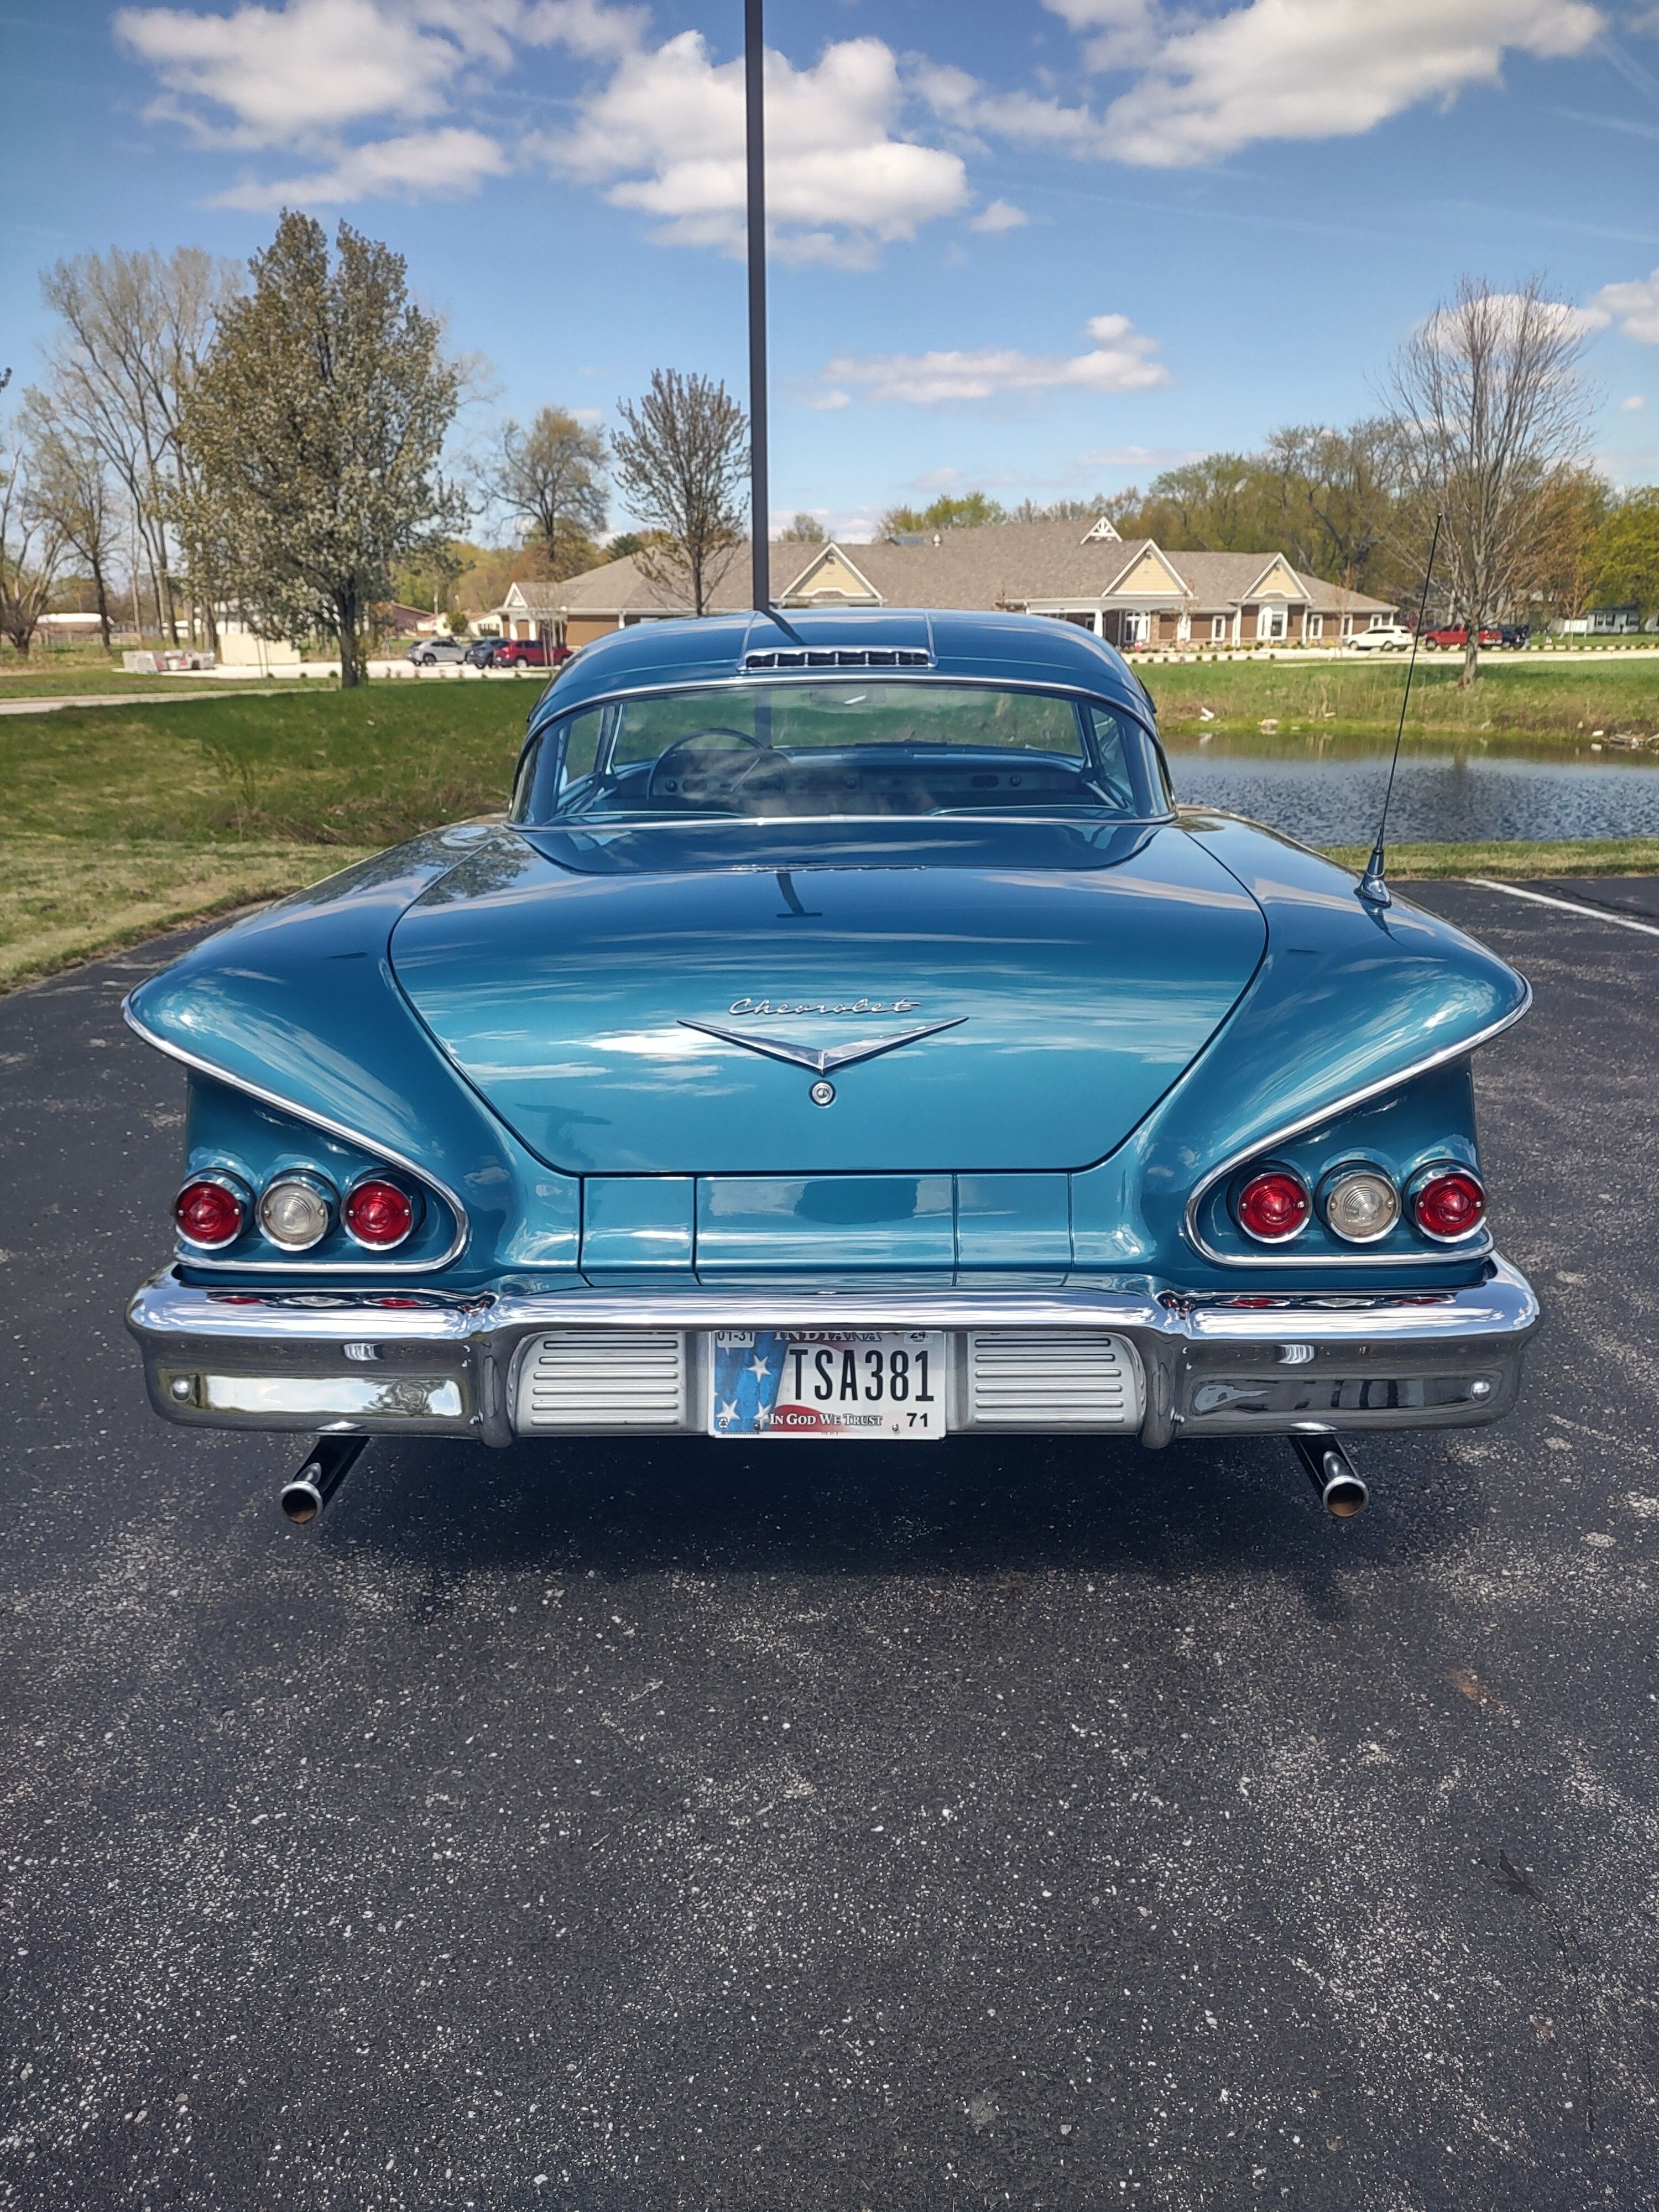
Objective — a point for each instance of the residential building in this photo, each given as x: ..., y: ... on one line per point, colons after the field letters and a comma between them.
x: 1132, y: 594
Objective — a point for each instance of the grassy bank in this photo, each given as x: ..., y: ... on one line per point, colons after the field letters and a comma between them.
x: 118, y: 823
x: 1541, y: 697
x: 65, y: 899
x: 1517, y: 862
x: 121, y: 821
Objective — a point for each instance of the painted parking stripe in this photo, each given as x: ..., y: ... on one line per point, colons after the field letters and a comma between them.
x: 1567, y: 906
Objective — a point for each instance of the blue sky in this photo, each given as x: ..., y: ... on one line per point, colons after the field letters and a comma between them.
x: 1045, y: 247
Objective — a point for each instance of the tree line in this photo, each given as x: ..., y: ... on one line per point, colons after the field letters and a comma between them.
x: 271, y: 441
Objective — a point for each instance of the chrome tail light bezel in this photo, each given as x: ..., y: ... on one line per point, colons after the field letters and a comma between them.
x: 1347, y: 1171
x: 225, y: 1181
x: 320, y: 1187
x: 1433, y: 1172
x: 403, y: 1184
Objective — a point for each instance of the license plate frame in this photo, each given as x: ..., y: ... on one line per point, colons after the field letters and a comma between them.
x: 896, y: 1390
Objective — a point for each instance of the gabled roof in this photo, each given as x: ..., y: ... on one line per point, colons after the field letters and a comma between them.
x: 1010, y: 564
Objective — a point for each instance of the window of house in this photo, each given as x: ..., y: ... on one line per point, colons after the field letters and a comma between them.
x: 1270, y: 622
x: 1313, y: 626
x: 1347, y: 625
x: 1218, y: 630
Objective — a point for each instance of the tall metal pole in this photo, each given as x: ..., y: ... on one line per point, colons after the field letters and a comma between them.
x: 760, y: 503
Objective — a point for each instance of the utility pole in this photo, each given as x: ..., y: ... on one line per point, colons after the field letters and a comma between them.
x: 760, y: 502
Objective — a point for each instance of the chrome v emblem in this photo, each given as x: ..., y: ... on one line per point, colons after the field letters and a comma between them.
x: 833, y: 1056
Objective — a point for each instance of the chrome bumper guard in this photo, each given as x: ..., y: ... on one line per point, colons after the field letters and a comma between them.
x: 427, y: 1363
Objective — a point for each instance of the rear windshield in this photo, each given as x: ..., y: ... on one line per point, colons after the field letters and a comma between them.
x: 843, y: 748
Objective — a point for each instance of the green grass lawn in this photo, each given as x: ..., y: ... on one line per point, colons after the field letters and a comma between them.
x: 120, y: 822
x: 1544, y: 698
x: 117, y: 822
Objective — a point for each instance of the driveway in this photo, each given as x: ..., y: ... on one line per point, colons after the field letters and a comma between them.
x: 1043, y: 1825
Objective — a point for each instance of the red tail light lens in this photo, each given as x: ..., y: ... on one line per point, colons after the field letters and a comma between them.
x: 1449, y: 1203
x: 1274, y: 1206
x: 209, y: 1213
x: 380, y: 1214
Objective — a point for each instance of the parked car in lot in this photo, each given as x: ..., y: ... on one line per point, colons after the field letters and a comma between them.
x: 429, y: 652
x: 481, y: 652
x: 1515, y: 634
x: 1454, y: 637
x: 843, y: 1036
x: 519, y: 653
x: 1392, y: 637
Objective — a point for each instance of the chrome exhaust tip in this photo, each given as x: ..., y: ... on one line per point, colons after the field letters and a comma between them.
x: 305, y: 1494
x: 1341, y: 1488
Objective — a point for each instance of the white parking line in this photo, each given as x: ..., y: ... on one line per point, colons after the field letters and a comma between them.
x: 1567, y: 906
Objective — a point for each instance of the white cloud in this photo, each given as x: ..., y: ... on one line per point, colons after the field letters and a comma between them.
x: 1267, y: 69
x: 830, y: 402
x: 1117, y: 33
x: 1324, y: 69
x: 1634, y: 404
x: 1001, y: 215
x: 308, y: 74
x: 666, y: 134
x: 444, y: 164
x: 1120, y: 360
x: 1635, y: 307
x: 1141, y: 456
x: 283, y: 73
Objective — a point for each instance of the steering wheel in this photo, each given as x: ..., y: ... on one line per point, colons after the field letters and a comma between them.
x: 700, y: 780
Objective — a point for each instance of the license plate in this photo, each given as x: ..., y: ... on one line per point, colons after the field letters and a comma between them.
x: 885, y: 1384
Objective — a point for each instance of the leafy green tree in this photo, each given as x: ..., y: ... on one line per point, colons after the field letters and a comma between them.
x: 969, y: 510
x: 1623, y: 561
x: 803, y: 530
x: 316, y: 425
x: 550, y: 478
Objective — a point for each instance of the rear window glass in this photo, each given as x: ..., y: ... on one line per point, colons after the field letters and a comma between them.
x: 840, y: 747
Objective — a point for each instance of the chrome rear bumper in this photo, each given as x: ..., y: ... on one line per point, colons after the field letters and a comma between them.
x: 426, y: 1364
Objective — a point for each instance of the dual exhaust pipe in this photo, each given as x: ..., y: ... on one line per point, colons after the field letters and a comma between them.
x: 1341, y: 1489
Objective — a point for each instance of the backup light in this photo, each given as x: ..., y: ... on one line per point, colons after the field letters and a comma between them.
x: 295, y: 1212
x: 379, y: 1213
x: 1274, y: 1206
x: 211, y: 1211
x: 1449, y: 1204
x: 1361, y: 1204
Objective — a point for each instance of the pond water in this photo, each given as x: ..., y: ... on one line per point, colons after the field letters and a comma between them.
x: 1327, y: 792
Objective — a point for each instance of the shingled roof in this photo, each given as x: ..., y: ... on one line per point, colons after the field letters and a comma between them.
x: 1009, y: 564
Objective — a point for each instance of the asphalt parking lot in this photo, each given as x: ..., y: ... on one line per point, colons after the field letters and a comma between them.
x: 626, y: 1830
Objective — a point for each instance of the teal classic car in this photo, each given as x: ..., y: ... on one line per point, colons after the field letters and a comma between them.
x: 842, y: 1037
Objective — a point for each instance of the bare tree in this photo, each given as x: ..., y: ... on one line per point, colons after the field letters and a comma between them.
x: 1489, y: 408
x: 550, y: 477
x: 31, y: 545
x: 681, y: 456
x: 135, y: 329
x: 71, y: 488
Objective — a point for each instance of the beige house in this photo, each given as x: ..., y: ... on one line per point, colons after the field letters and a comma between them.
x: 1131, y: 594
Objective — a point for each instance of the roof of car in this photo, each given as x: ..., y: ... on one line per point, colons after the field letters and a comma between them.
x: 986, y: 646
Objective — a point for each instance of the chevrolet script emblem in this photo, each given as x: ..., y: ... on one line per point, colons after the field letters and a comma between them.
x: 831, y: 1056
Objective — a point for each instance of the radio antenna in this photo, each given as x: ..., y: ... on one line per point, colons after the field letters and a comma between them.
x: 1372, y: 887
x: 760, y: 503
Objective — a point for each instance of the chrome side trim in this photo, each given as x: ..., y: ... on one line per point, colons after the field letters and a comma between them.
x: 1345, y: 1104
x: 347, y: 1136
